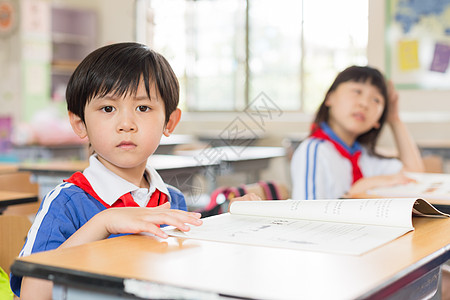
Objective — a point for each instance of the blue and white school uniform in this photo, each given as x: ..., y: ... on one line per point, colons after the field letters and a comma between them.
x: 70, y: 205
x: 320, y: 171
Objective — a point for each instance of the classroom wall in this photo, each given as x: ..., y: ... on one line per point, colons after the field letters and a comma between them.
x: 25, y: 54
x: 426, y: 112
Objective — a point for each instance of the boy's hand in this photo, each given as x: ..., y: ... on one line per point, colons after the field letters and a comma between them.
x: 140, y: 219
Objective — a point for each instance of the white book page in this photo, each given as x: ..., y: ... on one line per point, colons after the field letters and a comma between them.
x: 385, y: 212
x: 342, y: 238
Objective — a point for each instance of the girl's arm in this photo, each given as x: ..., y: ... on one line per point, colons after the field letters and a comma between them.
x: 409, y: 153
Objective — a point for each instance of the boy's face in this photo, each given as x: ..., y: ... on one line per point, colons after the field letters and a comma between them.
x: 125, y: 131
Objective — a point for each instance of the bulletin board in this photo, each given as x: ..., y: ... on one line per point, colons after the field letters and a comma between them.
x: 418, y: 44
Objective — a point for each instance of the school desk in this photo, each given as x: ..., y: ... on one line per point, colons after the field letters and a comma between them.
x: 176, y: 170
x: 168, y: 144
x: 51, y: 152
x: 435, y: 147
x: 236, y: 159
x: 8, y: 168
x: 164, y: 164
x: 232, y: 136
x: 145, y: 264
x: 8, y: 198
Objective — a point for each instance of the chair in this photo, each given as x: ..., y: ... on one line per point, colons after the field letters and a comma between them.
x: 15, y: 220
x: 13, y: 232
x: 266, y: 190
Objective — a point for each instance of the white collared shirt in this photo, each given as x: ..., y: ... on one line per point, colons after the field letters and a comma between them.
x: 110, y: 187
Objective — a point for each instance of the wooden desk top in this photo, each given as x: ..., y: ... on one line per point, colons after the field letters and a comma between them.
x: 8, y: 168
x: 54, y: 166
x: 248, y: 271
x: 10, y: 198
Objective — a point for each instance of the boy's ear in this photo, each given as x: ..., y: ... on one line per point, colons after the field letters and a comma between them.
x: 174, y: 119
x: 78, y: 125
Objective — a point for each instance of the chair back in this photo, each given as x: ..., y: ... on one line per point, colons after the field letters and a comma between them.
x: 266, y: 190
x: 13, y: 232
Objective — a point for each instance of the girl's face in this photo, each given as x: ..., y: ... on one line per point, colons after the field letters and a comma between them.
x: 354, y: 109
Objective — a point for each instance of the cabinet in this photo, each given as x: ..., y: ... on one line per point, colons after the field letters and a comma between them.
x: 74, y: 35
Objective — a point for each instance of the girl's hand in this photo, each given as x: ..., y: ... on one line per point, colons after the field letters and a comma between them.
x: 397, y: 179
x: 247, y: 197
x: 360, y: 188
x: 392, y: 102
x: 140, y: 219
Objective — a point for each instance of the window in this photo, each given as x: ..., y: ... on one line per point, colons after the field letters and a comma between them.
x: 226, y: 52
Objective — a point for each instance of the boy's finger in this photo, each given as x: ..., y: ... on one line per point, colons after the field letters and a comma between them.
x: 165, y: 205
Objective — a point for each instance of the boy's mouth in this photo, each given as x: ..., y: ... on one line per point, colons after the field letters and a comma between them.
x: 126, y: 145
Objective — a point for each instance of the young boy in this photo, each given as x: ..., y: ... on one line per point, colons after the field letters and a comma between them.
x: 122, y: 97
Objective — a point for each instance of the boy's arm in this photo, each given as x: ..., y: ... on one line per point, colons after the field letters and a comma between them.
x: 115, y: 221
x: 132, y: 220
x: 408, y: 151
x: 36, y: 289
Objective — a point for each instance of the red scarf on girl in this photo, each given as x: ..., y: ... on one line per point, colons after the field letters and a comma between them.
x: 324, y: 133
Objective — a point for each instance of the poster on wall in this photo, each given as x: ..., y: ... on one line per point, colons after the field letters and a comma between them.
x: 418, y: 44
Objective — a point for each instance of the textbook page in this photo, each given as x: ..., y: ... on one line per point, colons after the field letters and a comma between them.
x: 331, y: 237
x: 336, y: 226
x: 389, y: 212
x: 426, y: 185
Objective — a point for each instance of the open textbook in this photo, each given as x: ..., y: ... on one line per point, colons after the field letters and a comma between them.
x: 346, y: 226
x: 425, y: 185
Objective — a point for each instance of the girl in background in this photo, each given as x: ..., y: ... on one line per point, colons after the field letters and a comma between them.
x: 339, y: 158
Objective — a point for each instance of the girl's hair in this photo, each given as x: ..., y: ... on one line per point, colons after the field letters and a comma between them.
x: 119, y: 68
x: 358, y: 74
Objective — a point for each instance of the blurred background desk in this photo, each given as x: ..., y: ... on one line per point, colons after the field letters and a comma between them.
x: 8, y: 198
x: 128, y: 264
x: 237, y: 159
x: 176, y: 170
x: 230, y: 137
x: 8, y: 168
x: 167, y: 145
x: 51, y: 152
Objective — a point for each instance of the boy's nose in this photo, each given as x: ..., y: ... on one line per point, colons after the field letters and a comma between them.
x: 127, y: 123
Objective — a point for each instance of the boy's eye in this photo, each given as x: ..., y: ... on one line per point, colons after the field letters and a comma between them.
x: 143, y: 108
x: 108, y: 109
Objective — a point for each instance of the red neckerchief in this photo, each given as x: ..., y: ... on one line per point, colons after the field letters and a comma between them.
x: 126, y: 200
x: 353, y: 158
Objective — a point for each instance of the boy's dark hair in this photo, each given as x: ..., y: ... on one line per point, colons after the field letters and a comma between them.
x: 118, y: 68
x: 358, y: 74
